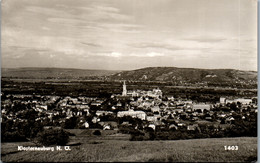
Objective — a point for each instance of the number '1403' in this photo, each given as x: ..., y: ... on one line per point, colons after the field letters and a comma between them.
x: 231, y: 147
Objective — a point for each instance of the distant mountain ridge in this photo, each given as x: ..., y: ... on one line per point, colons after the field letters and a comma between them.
x: 191, y: 75
x: 172, y: 74
x: 44, y: 73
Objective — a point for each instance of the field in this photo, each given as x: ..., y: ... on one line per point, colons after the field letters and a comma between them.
x: 104, y: 89
x: 111, y: 147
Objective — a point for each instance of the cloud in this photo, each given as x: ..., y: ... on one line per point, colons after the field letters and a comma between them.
x: 145, y: 33
x: 153, y: 45
x: 206, y: 39
x: 120, y: 27
x: 154, y: 54
x: 102, y: 12
x: 46, y: 28
x: 115, y: 54
x: 47, y: 11
x: 69, y: 21
x: 123, y: 55
x: 91, y: 44
x: 98, y: 7
x: 107, y: 54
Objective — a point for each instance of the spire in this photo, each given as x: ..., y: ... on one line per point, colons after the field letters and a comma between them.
x: 124, y: 89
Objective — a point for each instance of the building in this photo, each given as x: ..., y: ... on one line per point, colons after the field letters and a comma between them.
x: 155, y: 109
x: 241, y: 100
x: 124, y: 93
x: 134, y: 114
x: 202, y: 107
x: 222, y: 100
x: 101, y: 112
x: 244, y: 101
x: 152, y: 126
x: 151, y: 118
x: 132, y: 93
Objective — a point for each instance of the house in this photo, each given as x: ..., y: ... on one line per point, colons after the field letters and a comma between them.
x: 170, y: 98
x: 147, y: 104
x: 79, y: 113
x: 195, y: 118
x: 173, y: 126
x: 45, y: 107
x: 134, y: 114
x: 132, y: 93
x: 109, y: 125
x: 95, y: 119
x: 126, y: 123
x: 202, y: 107
x: 101, y: 112
x: 151, y: 118
x: 82, y: 107
x: 172, y: 105
x: 177, y: 110
x: 152, y: 126
x: 4, y: 111
x: 192, y: 127
x: 95, y: 104
x: 86, y: 125
x: 229, y: 120
x: 119, y: 104
x: 208, y: 118
x: 187, y: 102
x: 181, y: 124
x: 244, y: 101
x: 51, y: 127
x: 222, y: 100
x: 155, y: 109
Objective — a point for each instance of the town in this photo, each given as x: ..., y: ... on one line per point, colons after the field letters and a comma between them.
x: 151, y: 109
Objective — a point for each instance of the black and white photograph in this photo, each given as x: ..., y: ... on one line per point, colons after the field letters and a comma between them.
x: 129, y: 80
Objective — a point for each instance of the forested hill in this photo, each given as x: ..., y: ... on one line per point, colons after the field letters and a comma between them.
x: 190, y: 75
x: 178, y: 76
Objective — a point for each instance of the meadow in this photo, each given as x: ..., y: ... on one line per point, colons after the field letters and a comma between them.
x: 115, y: 147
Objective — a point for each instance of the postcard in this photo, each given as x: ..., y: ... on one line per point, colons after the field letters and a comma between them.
x: 129, y: 81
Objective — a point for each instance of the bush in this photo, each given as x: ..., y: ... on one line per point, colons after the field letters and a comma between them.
x: 97, y: 132
x: 13, y: 137
x: 53, y: 137
x: 136, y: 138
x: 70, y: 123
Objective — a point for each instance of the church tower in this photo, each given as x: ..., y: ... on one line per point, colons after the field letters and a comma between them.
x: 124, y: 89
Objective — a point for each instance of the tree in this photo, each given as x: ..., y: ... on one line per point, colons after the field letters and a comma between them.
x: 53, y: 137
x: 233, y: 106
x: 97, y: 133
x: 71, y: 123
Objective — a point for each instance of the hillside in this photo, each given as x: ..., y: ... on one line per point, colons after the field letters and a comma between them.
x: 187, y: 75
x: 194, y: 150
x: 57, y: 73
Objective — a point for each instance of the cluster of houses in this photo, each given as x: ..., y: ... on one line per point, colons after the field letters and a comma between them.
x: 147, y: 106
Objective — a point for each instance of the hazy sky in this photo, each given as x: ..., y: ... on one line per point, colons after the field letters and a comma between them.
x: 129, y: 34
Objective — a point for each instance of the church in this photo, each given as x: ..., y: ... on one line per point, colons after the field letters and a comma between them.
x: 124, y: 93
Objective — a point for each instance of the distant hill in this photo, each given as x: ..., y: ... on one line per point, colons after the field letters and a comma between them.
x: 190, y: 75
x: 219, y: 77
x: 45, y: 73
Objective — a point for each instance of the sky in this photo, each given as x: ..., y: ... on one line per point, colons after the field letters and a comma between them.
x: 129, y: 34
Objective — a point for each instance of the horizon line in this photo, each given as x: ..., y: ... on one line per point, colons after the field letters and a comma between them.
x: 127, y: 69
